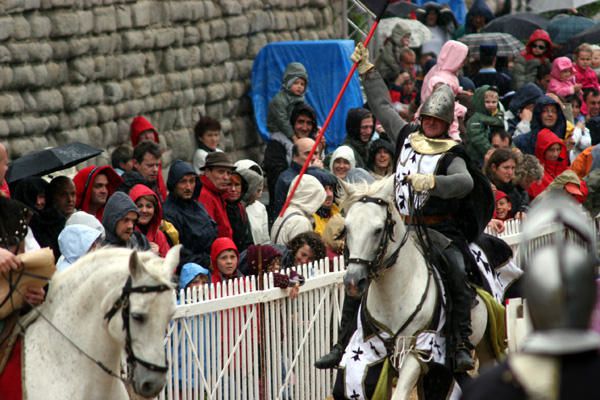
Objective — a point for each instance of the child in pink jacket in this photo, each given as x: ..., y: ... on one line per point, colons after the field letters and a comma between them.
x: 584, y: 74
x: 562, y: 78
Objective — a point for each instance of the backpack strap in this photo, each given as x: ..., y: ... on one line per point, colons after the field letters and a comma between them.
x: 282, y: 222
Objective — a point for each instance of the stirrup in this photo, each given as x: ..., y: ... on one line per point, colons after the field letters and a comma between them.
x: 463, y: 361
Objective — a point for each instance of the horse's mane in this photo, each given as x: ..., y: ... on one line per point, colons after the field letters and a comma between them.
x: 112, y: 261
x: 362, y: 189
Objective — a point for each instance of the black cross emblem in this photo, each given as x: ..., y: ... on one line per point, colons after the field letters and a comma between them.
x: 355, y: 396
x: 374, y: 350
x: 402, y: 201
x: 357, y: 353
x: 407, y: 145
x: 414, y: 158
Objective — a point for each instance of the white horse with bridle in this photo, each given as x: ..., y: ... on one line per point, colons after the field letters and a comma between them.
x: 113, y: 304
x: 386, y: 264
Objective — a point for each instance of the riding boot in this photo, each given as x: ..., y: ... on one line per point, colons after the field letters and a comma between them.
x: 462, y: 299
x: 347, y: 328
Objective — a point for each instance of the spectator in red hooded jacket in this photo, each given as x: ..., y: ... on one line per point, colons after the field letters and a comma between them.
x: 93, y: 186
x: 215, y: 184
x: 552, y: 154
x: 4, y: 190
x: 224, y: 258
x: 538, y: 51
x: 141, y: 129
x: 150, y: 218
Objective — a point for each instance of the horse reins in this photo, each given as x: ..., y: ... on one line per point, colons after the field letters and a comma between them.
x: 378, y: 264
x: 123, y: 304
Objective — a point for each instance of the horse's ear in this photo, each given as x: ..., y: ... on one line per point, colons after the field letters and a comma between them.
x: 347, y: 188
x: 136, y: 267
x: 172, y: 258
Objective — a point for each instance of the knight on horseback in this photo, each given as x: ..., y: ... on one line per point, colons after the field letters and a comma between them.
x: 436, y: 189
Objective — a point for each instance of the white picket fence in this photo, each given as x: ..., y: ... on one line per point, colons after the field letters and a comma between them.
x: 234, y: 341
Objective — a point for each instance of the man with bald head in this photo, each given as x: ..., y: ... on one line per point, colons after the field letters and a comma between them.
x: 3, y: 168
x: 300, y: 153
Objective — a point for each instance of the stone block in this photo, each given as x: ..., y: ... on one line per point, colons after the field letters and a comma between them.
x: 11, y: 103
x: 208, y: 53
x: 60, y: 50
x: 58, y: 73
x: 23, y: 77
x: 95, y: 94
x: 19, y: 52
x: 215, y: 92
x: 110, y: 132
x: 16, y: 128
x: 96, y: 137
x: 5, y: 55
x: 35, y: 126
x: 49, y: 100
x: 211, y: 10
x: 204, y: 30
x: 22, y: 30
x: 140, y: 14
x: 197, y: 76
x: 123, y: 17
x: 41, y: 76
x: 79, y: 46
x: 237, y: 26
x: 6, y: 28
x: 218, y: 29
x: 231, y: 7
x: 74, y: 96
x: 4, y: 130
x: 260, y: 21
x: 105, y: 20
x: 191, y: 36
x: 112, y: 92
x: 127, y: 89
x: 152, y: 65
x: 29, y: 102
x: 132, y: 64
x: 65, y: 24
x: 105, y: 113
x: 238, y: 47
x: 221, y: 52
x: 165, y: 37
x: 181, y: 11
x: 133, y: 40
x: 40, y: 26
x: 106, y: 44
x: 142, y: 87
x: 81, y: 69
x: 256, y: 43
x: 159, y: 83
x: 238, y: 89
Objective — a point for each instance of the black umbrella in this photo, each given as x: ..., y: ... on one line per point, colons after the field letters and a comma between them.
x: 520, y: 25
x: 401, y: 9
x: 45, y: 161
x: 591, y: 35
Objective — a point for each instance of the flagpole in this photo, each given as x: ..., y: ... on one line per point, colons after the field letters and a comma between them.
x: 330, y: 115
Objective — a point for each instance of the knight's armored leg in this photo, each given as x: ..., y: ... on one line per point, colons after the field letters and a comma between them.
x: 347, y: 328
x: 462, y: 298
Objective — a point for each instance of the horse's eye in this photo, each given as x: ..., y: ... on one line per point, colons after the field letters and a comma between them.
x: 141, y: 318
x: 378, y: 231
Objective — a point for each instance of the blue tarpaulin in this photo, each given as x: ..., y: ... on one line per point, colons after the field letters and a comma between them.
x: 327, y: 63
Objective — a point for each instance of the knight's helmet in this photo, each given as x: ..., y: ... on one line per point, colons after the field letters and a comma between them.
x: 559, y: 282
x: 440, y: 104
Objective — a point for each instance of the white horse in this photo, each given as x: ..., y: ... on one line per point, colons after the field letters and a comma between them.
x: 401, y: 296
x: 112, y: 304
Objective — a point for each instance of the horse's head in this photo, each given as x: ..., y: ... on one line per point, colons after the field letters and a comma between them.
x: 372, y: 225
x: 141, y: 318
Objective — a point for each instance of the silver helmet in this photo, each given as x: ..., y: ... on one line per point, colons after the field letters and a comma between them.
x: 440, y: 104
x: 560, y: 277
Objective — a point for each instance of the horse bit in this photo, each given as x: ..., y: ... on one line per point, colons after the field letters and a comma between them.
x: 376, y: 265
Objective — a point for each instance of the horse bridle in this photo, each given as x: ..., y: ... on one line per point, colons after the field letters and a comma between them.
x: 377, y: 265
x: 123, y: 303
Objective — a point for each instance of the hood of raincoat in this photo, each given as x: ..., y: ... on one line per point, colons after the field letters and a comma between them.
x: 139, y: 125
x: 449, y: 62
x: 253, y: 180
x: 538, y: 34
x: 527, y: 94
x: 479, y: 7
x: 117, y: 207
x: 545, y: 139
x: 28, y: 189
x: 177, y: 171
x: 142, y: 190
x: 292, y: 72
x: 559, y: 128
x: 478, y: 101
x: 190, y: 271
x: 220, y: 245
x: 559, y: 65
x: 344, y: 152
x: 74, y: 242
x: 83, y: 218
x: 309, y: 195
x: 374, y: 149
x: 353, y: 120
x: 84, y: 181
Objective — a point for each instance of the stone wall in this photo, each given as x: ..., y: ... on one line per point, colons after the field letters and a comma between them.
x: 80, y: 70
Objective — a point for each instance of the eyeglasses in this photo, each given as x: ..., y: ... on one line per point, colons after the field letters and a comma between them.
x: 538, y: 46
